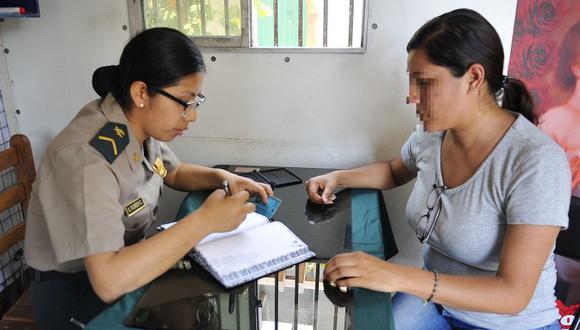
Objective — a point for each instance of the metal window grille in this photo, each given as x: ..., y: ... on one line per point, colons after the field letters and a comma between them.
x: 292, y: 26
x: 299, y: 307
x: 317, y: 25
x: 270, y: 304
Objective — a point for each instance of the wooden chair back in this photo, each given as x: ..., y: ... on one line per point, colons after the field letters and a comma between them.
x: 17, y: 173
x: 19, y: 157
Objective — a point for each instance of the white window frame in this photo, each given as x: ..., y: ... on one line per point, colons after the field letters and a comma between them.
x: 242, y: 43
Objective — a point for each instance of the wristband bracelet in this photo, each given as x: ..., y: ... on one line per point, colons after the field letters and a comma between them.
x: 435, y: 287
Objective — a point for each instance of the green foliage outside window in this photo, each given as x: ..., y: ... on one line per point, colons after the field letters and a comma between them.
x: 185, y: 15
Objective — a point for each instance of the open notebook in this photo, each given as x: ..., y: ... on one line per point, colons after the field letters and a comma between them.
x: 258, y: 247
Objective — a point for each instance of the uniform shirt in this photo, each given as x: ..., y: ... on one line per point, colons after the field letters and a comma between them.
x: 524, y: 180
x: 81, y: 204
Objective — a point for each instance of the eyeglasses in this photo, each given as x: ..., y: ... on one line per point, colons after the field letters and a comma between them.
x: 430, y: 218
x: 188, y: 107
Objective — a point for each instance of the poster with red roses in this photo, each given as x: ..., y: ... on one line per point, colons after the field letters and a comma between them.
x: 546, y: 56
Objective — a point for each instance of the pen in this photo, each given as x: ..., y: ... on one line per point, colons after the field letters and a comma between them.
x: 77, y: 323
x: 227, y: 188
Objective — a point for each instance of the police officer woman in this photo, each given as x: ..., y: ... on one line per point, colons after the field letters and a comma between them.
x: 98, y: 185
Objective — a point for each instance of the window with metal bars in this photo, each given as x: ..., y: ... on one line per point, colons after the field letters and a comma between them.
x: 259, y: 24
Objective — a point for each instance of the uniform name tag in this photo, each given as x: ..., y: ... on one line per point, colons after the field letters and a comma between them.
x: 134, y: 206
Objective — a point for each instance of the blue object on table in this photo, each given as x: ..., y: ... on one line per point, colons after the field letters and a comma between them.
x: 268, y: 210
x: 191, y: 202
x: 113, y: 317
x: 371, y: 308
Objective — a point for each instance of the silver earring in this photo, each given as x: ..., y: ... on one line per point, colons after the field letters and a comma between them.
x: 141, y: 105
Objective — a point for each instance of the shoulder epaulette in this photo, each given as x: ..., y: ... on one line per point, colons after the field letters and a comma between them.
x: 111, y: 140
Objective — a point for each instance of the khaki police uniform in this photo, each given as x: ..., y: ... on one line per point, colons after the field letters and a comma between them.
x: 97, y: 189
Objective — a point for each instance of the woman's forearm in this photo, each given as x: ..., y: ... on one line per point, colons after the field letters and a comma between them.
x: 190, y: 177
x: 482, y: 294
x: 113, y: 274
x: 380, y: 175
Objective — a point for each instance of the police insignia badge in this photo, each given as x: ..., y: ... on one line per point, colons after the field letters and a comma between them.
x: 136, y: 157
x: 159, y: 167
x: 134, y: 206
x: 111, y: 140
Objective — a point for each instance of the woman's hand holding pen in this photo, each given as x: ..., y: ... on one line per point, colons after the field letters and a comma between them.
x: 225, y: 213
x: 327, y: 183
x: 239, y: 183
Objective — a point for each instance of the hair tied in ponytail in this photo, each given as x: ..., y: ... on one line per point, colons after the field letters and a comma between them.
x: 504, y: 82
x: 106, y: 80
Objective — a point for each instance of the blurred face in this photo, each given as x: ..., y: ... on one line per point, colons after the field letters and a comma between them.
x: 164, y: 117
x: 438, y: 96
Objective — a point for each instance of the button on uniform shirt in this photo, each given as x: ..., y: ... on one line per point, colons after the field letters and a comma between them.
x: 83, y: 202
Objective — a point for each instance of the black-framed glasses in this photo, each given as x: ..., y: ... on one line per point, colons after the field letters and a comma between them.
x: 188, y: 107
x: 426, y: 223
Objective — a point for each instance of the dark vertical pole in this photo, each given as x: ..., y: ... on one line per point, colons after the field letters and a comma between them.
x: 350, y: 22
x: 202, y: 16
x: 276, y: 302
x: 296, y: 284
x: 275, y: 23
x: 325, y: 25
x: 227, y: 16
x: 237, y: 300
x: 178, y: 12
x: 316, y: 288
x: 156, y: 12
x: 300, y: 23
x: 335, y: 318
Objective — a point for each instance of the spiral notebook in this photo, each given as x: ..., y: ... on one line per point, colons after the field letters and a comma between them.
x: 258, y: 247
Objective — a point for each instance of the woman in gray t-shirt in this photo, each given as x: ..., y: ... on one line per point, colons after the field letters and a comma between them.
x: 490, y: 196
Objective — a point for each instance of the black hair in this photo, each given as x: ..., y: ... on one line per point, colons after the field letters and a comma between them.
x: 462, y: 37
x: 159, y: 57
x: 569, y: 53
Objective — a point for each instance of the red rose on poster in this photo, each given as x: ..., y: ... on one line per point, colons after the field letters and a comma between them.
x: 533, y: 58
x: 544, y: 15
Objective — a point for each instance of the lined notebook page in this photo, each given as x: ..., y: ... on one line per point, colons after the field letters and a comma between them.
x: 251, y: 254
x: 252, y: 220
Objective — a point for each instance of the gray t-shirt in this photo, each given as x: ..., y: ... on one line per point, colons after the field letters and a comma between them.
x: 524, y: 180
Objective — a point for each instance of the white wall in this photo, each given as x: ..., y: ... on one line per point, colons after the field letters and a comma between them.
x: 318, y: 110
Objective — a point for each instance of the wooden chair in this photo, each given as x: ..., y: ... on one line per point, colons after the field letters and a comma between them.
x: 15, y: 293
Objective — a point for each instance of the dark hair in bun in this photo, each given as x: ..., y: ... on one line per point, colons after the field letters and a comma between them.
x: 105, y: 79
x: 159, y: 57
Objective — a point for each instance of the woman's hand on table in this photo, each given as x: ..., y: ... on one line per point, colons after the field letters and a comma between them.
x: 361, y: 270
x: 326, y: 183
